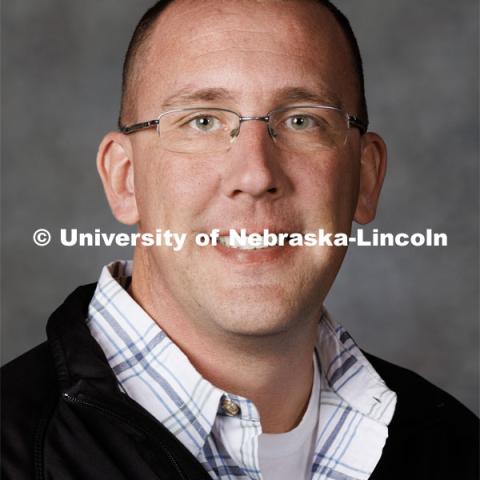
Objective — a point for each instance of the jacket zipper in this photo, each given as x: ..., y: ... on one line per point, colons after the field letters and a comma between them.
x: 109, y: 414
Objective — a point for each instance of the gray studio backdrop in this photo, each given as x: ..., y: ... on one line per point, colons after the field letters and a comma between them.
x: 418, y: 307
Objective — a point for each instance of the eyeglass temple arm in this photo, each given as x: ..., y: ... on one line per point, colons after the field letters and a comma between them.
x: 356, y: 122
x: 139, y: 126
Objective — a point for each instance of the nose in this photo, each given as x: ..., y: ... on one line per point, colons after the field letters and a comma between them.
x: 252, y: 167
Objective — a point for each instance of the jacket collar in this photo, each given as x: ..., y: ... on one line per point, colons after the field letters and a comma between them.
x: 77, y: 356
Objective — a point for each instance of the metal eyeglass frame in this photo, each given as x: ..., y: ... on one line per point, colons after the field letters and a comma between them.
x: 352, y: 120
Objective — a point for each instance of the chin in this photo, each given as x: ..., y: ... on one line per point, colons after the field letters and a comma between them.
x: 258, y: 312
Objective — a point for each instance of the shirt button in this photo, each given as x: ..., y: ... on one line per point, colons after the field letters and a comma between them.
x: 230, y: 407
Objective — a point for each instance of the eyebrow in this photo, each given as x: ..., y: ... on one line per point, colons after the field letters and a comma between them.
x: 299, y: 94
x: 187, y: 96
x: 282, y: 97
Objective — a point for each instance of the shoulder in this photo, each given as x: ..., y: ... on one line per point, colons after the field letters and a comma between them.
x: 28, y: 395
x: 432, y: 435
x: 416, y: 395
x: 31, y: 368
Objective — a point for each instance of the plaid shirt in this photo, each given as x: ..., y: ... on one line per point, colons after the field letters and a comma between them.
x: 354, y: 411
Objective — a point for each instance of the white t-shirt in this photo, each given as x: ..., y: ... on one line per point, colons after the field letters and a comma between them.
x: 287, y: 456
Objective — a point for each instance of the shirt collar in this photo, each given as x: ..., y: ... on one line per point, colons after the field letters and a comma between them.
x: 350, y: 375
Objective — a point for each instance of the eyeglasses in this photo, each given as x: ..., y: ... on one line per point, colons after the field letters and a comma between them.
x: 304, y: 128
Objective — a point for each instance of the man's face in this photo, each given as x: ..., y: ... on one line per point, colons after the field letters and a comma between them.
x: 262, y: 55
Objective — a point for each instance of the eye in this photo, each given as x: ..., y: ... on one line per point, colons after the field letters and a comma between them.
x: 301, y: 122
x: 205, y: 123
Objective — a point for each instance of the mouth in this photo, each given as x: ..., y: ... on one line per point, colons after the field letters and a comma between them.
x: 254, y: 240
x: 255, y: 245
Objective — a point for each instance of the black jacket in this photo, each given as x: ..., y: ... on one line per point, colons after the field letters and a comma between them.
x: 64, y: 418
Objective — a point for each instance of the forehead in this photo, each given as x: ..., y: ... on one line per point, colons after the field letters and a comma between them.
x: 251, y: 49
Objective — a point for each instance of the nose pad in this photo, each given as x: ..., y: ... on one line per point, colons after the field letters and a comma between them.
x: 234, y: 134
x: 272, y: 133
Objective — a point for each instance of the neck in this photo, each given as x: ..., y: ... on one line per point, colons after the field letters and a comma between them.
x: 274, y: 376
x: 274, y: 371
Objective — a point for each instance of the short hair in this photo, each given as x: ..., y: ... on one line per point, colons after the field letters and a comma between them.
x: 144, y: 30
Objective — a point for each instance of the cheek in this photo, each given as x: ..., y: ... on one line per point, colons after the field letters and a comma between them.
x: 328, y: 186
x: 171, y: 190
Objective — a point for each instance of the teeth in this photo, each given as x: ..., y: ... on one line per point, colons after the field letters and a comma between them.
x: 247, y: 244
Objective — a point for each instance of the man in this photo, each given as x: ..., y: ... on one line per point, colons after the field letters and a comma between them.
x: 220, y: 361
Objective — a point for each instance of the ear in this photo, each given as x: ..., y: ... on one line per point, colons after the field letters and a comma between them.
x: 114, y: 164
x: 373, y: 165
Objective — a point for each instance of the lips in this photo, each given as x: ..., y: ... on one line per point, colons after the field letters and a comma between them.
x: 249, y: 246
x: 254, y: 240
